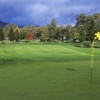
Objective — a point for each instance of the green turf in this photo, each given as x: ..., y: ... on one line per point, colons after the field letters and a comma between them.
x: 46, y: 81
x: 48, y: 71
x: 38, y: 52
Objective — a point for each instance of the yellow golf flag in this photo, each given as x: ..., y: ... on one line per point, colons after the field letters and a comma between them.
x: 97, y: 36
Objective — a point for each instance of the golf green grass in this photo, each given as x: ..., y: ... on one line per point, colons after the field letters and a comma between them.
x: 48, y: 71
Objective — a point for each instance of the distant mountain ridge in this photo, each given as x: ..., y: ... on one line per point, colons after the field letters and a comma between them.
x: 3, y: 24
x: 21, y: 26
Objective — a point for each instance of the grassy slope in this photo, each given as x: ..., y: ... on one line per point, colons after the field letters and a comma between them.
x: 41, y: 72
x: 45, y: 52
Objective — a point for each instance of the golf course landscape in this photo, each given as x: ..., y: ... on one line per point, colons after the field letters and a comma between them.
x: 49, y: 71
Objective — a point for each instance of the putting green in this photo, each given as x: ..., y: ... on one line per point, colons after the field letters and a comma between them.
x: 50, y: 80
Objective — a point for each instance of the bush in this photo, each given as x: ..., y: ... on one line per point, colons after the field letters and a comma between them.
x: 43, y: 39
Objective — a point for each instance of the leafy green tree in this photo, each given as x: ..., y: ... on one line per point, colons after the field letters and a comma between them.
x: 62, y: 32
x: 58, y: 34
x: 97, y: 21
x: 87, y: 26
x: 1, y: 35
x: 22, y: 35
x: 74, y: 33
x: 9, y: 26
x: 16, y: 36
x: 82, y: 34
x: 91, y: 28
x: 5, y: 33
x: 68, y: 29
x: 27, y: 28
x: 81, y: 20
x: 44, y: 33
x: 43, y: 38
x: 11, y: 35
x: 38, y: 33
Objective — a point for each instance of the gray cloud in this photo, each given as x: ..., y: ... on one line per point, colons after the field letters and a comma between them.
x: 32, y: 12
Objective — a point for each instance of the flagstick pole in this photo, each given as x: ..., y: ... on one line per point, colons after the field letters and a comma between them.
x: 91, y: 76
x: 97, y: 36
x: 92, y: 61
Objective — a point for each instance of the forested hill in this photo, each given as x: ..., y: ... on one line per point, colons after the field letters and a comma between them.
x: 3, y: 24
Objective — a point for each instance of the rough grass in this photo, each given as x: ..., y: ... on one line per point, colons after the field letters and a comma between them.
x: 36, y: 71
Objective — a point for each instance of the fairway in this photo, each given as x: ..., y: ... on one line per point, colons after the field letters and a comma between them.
x: 43, y: 52
x: 48, y: 71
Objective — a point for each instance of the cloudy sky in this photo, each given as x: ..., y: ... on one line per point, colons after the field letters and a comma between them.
x: 41, y: 12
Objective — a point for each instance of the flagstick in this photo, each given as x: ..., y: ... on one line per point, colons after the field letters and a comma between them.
x: 97, y: 36
x: 92, y: 61
x: 91, y: 76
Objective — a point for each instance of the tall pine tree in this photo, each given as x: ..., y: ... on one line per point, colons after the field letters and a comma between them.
x: 52, y: 28
x: 11, y: 35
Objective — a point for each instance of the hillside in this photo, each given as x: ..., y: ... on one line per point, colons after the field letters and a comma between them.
x: 3, y: 24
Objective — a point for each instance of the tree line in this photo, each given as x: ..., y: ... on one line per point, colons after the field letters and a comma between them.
x: 84, y: 30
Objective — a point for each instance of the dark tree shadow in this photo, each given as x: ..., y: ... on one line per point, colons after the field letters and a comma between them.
x: 71, y: 69
x: 85, y: 45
